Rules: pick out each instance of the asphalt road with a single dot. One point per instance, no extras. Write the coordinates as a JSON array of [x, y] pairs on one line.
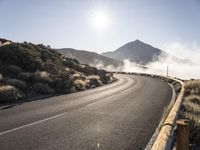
[[119, 116]]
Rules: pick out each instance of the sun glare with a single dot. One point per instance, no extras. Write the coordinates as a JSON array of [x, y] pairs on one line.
[[100, 20]]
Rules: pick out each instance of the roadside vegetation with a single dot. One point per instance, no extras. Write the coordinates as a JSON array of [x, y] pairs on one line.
[[191, 110], [28, 70]]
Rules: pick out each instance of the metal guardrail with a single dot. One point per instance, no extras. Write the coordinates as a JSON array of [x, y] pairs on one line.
[[165, 136]]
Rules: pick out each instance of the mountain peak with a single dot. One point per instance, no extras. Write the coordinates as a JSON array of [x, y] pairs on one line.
[[135, 51], [137, 41]]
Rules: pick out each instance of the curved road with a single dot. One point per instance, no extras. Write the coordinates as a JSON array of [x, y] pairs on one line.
[[119, 116]]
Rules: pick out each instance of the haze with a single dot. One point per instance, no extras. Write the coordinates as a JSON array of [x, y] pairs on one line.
[[169, 25]]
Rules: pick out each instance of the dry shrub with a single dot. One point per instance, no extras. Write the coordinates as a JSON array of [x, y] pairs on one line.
[[79, 75], [76, 75], [87, 81], [94, 81], [67, 69], [10, 93], [80, 85], [41, 76], [93, 77]]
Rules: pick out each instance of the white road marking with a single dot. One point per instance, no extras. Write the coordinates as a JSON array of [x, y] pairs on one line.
[[33, 123]]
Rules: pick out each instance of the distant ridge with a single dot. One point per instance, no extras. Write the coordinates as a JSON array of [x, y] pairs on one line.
[[92, 58]]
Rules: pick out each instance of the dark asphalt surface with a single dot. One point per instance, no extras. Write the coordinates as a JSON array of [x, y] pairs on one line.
[[119, 116]]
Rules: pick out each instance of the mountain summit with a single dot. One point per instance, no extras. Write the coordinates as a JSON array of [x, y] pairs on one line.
[[136, 51]]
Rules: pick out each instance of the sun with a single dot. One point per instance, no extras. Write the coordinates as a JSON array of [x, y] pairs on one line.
[[100, 20]]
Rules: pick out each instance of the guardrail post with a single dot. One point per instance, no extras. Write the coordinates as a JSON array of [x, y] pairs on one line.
[[182, 138]]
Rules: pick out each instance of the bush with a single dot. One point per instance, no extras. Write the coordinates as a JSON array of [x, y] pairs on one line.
[[61, 83], [26, 76], [42, 88], [80, 85], [57, 84], [105, 78], [17, 83], [12, 69], [94, 81], [9, 93]]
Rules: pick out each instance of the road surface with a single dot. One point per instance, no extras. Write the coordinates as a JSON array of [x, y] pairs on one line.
[[119, 116]]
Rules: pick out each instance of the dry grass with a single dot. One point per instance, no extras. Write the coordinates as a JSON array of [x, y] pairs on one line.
[[191, 111], [193, 86], [76, 75], [42, 74], [93, 77], [80, 84], [67, 69], [5, 88], [87, 81]]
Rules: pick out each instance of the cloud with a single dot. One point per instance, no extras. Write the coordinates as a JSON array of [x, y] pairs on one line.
[[180, 69], [183, 50], [101, 65]]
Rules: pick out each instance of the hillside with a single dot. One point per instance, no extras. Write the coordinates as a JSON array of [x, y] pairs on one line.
[[142, 53], [92, 59], [28, 70]]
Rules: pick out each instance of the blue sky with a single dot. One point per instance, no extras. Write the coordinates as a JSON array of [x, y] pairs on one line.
[[66, 23]]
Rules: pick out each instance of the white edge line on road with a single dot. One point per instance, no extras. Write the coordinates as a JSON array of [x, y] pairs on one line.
[[33, 123]]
